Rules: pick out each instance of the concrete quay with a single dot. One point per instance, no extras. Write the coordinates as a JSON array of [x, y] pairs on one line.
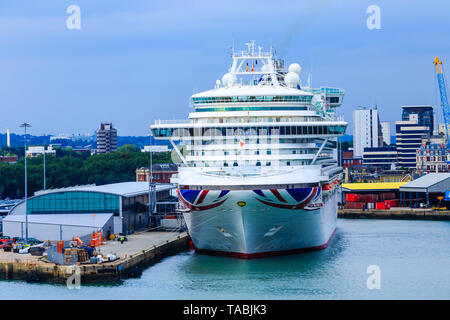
[[396, 214], [140, 251]]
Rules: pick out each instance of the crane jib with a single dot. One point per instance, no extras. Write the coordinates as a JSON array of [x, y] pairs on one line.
[[444, 99]]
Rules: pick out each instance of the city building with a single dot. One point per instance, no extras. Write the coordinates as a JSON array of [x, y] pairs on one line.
[[373, 174], [395, 176], [425, 115], [106, 138], [409, 137], [83, 150], [432, 157], [162, 148], [348, 160], [386, 132], [36, 151], [442, 130], [60, 214], [9, 159], [161, 173], [383, 157], [366, 130]]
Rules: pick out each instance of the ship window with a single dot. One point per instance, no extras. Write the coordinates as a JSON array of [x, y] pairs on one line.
[[235, 164], [258, 164], [267, 163], [225, 164]]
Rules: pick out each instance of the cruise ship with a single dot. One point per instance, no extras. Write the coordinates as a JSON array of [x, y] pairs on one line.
[[258, 154]]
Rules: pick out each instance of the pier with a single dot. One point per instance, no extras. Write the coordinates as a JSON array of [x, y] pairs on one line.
[[396, 214], [140, 251]]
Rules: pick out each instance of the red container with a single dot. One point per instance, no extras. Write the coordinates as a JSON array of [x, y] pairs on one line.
[[372, 198], [352, 197], [380, 206], [355, 205], [392, 203], [387, 196]]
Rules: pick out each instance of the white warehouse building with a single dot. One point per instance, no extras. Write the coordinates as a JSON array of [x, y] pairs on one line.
[[60, 214]]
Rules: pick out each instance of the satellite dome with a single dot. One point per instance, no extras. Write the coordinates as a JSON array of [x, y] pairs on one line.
[[295, 67], [292, 79], [265, 68], [225, 79], [229, 79]]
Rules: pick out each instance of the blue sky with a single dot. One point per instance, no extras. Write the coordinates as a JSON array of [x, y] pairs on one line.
[[136, 61]]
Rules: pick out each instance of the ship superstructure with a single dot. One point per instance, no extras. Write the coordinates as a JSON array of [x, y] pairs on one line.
[[259, 170]]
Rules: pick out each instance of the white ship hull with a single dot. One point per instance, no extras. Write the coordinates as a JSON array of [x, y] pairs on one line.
[[264, 225]]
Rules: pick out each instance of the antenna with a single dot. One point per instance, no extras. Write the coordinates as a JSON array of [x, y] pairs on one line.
[[248, 44]]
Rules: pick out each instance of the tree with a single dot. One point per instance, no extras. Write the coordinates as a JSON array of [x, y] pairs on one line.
[[70, 168]]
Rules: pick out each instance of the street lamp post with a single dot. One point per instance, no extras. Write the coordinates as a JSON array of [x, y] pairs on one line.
[[44, 167], [25, 126], [151, 186]]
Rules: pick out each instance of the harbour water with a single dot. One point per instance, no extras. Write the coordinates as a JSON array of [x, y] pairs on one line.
[[413, 257]]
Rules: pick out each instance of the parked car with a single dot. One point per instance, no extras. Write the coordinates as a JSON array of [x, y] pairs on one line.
[[34, 241], [31, 241], [4, 240], [18, 239]]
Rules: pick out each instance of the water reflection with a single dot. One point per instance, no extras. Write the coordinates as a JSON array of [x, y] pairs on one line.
[[199, 264], [290, 276]]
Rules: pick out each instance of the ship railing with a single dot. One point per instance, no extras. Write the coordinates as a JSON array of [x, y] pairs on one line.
[[247, 54], [175, 121], [326, 90]]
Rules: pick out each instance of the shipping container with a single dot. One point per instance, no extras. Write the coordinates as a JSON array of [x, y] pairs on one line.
[[355, 205], [392, 202], [371, 197], [387, 196], [352, 197], [380, 206]]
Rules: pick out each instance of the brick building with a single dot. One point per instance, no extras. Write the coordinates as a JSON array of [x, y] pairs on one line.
[[161, 172]]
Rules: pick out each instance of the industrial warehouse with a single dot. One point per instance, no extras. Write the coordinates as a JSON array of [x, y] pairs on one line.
[[61, 214], [429, 191]]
